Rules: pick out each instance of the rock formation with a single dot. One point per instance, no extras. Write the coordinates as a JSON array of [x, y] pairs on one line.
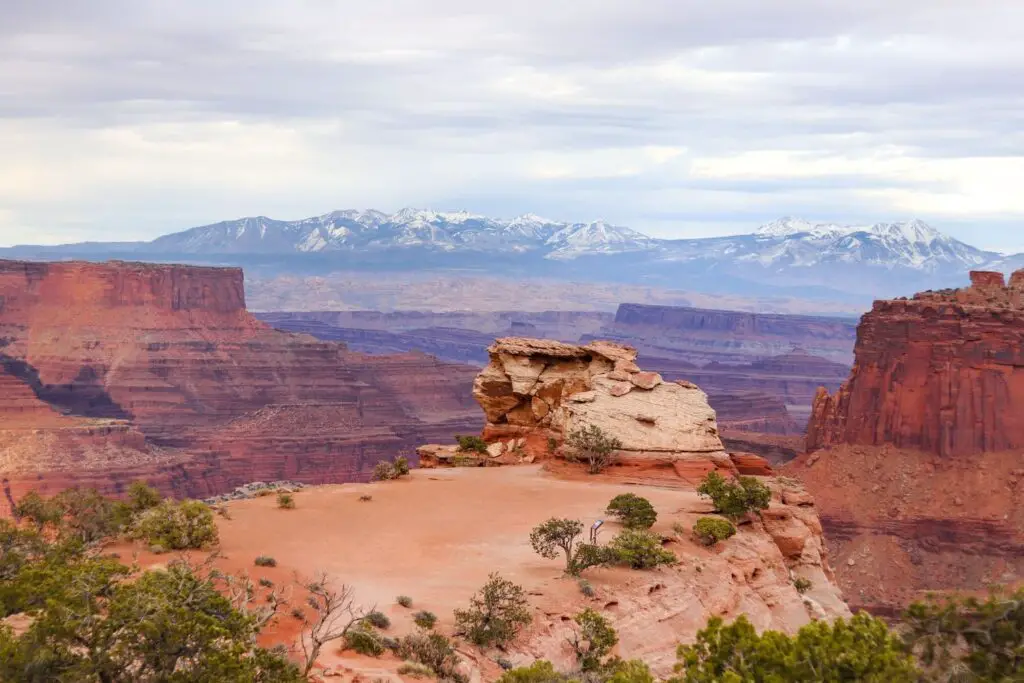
[[159, 371], [939, 372], [917, 464]]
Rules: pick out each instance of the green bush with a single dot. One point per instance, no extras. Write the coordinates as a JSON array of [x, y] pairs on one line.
[[384, 471], [640, 550], [711, 530], [592, 640], [496, 613], [432, 650], [424, 619], [414, 670], [142, 497], [266, 583], [540, 671], [984, 637], [861, 649], [401, 466], [364, 641], [378, 619], [38, 510], [265, 561], [555, 535], [735, 499], [177, 526], [404, 601], [802, 585], [591, 445], [285, 501], [586, 588], [633, 511], [472, 444]]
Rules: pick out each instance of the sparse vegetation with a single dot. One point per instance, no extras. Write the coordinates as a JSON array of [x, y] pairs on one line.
[[712, 530], [404, 601], [364, 641], [735, 499], [378, 619], [541, 671], [177, 526], [586, 588], [266, 583], [565, 534], [401, 466], [471, 444], [496, 613], [861, 649], [592, 640], [335, 614], [802, 585], [365, 498], [384, 471], [285, 501], [633, 511], [640, 550], [424, 619], [265, 561], [433, 651], [591, 445], [142, 497], [414, 670]]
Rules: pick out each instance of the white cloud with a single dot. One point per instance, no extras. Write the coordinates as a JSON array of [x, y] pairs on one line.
[[127, 119]]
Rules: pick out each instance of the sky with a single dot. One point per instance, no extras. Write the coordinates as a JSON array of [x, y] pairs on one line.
[[125, 120]]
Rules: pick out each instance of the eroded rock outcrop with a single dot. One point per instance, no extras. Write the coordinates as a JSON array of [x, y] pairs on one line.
[[917, 464], [939, 372], [160, 371]]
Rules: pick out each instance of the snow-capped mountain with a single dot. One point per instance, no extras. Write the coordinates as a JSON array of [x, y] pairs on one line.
[[788, 256]]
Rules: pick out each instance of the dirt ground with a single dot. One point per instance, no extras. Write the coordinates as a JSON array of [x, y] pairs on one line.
[[434, 536]]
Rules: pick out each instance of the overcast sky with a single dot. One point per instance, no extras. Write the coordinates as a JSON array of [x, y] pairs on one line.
[[126, 120]]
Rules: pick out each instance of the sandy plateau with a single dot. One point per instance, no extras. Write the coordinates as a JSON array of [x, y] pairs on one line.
[[436, 536]]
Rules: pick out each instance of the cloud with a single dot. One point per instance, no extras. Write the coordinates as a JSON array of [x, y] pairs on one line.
[[125, 120]]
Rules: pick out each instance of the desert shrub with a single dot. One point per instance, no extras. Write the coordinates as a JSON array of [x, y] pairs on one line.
[[384, 471], [564, 534], [627, 671], [982, 637], [414, 670], [541, 671], [633, 511], [265, 582], [142, 497], [404, 601], [678, 529], [424, 619], [496, 613], [432, 650], [365, 498], [735, 499], [38, 510], [285, 501], [711, 530], [591, 445], [177, 526], [861, 649], [802, 585], [378, 619], [401, 466], [592, 640], [364, 641], [552, 445], [472, 444], [265, 561], [640, 550], [88, 516], [586, 588]]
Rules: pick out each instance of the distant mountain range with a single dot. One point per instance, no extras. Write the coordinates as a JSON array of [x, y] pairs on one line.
[[788, 256]]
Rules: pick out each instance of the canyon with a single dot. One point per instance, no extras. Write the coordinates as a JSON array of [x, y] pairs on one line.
[[916, 461], [118, 371]]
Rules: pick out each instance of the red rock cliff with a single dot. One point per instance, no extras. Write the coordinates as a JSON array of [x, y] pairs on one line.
[[941, 372], [131, 370]]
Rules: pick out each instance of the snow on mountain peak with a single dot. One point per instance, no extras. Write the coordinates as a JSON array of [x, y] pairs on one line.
[[914, 231]]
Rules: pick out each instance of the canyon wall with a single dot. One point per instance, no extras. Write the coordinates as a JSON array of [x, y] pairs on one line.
[[942, 372], [120, 370], [917, 463]]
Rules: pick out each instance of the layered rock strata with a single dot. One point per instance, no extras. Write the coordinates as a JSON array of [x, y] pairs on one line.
[[940, 372], [159, 371]]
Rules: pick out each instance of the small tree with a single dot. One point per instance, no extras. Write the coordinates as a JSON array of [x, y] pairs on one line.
[[142, 497], [711, 530], [564, 534], [633, 511], [496, 613], [591, 445], [735, 499], [334, 615], [640, 549], [38, 510], [177, 526], [592, 639]]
